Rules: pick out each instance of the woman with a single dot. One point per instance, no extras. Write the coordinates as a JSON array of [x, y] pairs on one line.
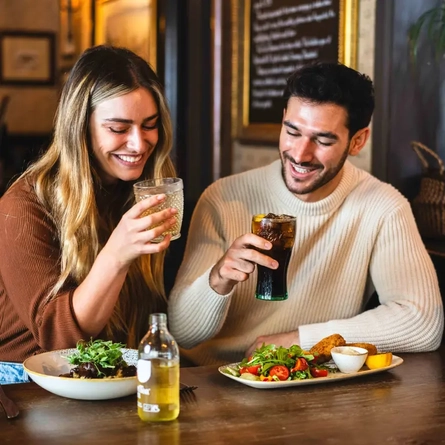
[[76, 259]]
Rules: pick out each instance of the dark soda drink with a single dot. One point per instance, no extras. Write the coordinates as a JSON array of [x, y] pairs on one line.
[[280, 231]]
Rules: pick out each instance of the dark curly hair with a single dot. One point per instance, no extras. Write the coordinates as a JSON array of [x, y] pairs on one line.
[[323, 82]]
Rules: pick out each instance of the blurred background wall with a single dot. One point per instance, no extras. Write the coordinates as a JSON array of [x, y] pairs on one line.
[[31, 109], [195, 53]]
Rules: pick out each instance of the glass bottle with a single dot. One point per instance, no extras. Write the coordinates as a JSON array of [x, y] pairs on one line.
[[158, 373]]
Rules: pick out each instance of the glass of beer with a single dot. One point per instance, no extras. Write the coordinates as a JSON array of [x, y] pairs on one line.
[[173, 190], [280, 231]]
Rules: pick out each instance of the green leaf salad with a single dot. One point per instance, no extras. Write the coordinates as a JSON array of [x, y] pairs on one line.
[[99, 359], [272, 363]]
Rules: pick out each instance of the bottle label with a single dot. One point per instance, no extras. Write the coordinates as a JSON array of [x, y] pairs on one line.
[[149, 407], [144, 370], [142, 390]]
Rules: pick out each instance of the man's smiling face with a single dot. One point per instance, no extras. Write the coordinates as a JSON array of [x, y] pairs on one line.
[[314, 145]]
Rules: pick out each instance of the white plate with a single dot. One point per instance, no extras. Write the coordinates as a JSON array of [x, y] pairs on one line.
[[332, 377], [44, 369]]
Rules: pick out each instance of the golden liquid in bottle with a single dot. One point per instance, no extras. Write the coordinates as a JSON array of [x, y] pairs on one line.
[[158, 397]]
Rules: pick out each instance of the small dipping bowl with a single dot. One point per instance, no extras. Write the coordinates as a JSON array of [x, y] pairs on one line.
[[349, 359]]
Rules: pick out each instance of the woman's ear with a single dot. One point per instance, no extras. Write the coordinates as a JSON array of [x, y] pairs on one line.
[[358, 141]]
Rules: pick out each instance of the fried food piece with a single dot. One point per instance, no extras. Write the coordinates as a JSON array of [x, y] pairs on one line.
[[372, 350], [322, 349]]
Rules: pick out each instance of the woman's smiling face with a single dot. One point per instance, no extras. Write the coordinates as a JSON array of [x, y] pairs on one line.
[[124, 133]]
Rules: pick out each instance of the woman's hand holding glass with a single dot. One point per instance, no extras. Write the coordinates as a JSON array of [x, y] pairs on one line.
[[133, 235]]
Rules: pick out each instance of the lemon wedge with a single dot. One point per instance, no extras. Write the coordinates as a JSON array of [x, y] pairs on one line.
[[259, 217], [379, 360]]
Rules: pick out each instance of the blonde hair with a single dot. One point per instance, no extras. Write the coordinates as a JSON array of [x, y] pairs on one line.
[[67, 183]]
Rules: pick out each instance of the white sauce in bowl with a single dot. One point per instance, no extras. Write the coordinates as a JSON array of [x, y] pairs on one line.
[[349, 351]]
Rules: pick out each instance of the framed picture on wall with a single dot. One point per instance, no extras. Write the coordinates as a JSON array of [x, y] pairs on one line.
[[27, 58], [127, 23], [271, 40]]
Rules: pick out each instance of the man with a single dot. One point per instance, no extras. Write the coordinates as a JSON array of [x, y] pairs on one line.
[[354, 233]]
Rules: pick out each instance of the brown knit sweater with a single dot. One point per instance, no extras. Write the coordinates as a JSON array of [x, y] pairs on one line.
[[29, 267]]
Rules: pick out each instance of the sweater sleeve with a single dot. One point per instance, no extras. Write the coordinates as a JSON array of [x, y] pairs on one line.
[[196, 311], [410, 317], [29, 268]]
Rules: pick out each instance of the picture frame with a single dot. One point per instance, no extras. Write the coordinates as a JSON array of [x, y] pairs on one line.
[[259, 75], [27, 58], [127, 23]]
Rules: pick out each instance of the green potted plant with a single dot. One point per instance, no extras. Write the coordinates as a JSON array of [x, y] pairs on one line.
[[429, 204], [433, 22]]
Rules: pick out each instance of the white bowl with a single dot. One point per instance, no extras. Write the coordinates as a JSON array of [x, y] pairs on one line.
[[44, 369], [349, 359]]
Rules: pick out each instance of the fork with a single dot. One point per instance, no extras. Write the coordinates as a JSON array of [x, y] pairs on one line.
[[183, 388], [187, 393], [8, 405]]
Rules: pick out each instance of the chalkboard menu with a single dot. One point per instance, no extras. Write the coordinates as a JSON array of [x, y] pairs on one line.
[[282, 36]]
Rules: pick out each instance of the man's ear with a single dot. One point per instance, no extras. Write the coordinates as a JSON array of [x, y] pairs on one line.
[[358, 141]]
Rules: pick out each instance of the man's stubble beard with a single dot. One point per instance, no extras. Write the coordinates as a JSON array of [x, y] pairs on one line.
[[319, 181]]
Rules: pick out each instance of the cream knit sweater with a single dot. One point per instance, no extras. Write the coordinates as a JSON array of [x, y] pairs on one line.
[[361, 236]]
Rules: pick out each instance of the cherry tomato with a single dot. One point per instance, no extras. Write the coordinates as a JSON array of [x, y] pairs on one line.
[[315, 372], [255, 369], [279, 371], [250, 369], [300, 365]]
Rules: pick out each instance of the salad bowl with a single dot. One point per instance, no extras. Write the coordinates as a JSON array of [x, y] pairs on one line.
[[45, 370]]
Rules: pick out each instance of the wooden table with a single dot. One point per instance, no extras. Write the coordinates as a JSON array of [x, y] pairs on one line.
[[403, 406]]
